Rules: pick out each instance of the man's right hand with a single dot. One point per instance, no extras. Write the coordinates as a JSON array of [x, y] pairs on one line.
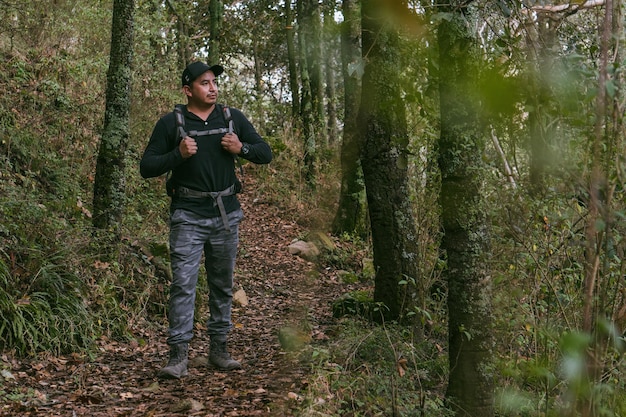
[[188, 147]]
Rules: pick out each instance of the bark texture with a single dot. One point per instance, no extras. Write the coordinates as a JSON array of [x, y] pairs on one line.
[[350, 216], [466, 237], [110, 181], [382, 123]]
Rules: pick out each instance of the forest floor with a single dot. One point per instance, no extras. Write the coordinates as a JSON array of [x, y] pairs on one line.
[[283, 291]]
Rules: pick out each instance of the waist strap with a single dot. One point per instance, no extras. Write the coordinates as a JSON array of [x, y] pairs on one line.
[[215, 195]]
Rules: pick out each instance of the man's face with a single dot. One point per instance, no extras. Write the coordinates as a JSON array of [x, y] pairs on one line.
[[203, 90]]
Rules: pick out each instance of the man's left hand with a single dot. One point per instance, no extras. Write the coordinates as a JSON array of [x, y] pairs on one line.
[[231, 143]]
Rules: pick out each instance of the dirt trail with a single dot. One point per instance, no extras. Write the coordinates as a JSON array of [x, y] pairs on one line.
[[121, 381]]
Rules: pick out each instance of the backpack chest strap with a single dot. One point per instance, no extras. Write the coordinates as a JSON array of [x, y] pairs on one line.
[[196, 133]]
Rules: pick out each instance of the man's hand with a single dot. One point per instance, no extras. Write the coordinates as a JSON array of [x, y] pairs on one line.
[[231, 143], [188, 147]]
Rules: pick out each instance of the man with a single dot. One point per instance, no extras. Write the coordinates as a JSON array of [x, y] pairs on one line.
[[204, 211]]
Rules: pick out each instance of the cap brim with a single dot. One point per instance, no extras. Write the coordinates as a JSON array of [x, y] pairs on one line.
[[216, 70]]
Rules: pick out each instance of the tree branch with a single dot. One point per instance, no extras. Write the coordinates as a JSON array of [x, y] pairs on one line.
[[505, 163], [568, 7]]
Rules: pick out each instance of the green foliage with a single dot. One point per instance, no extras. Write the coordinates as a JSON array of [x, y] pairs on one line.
[[55, 293], [357, 303], [47, 312], [544, 358], [376, 370], [347, 255]]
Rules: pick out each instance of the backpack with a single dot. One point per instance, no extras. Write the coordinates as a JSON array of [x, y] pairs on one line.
[[181, 133], [180, 124]]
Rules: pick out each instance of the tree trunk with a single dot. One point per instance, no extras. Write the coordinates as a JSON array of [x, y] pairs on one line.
[[311, 30], [110, 181], [258, 81], [382, 122], [542, 49], [307, 117], [330, 45], [599, 214], [350, 216], [465, 232], [216, 13], [182, 37], [292, 61]]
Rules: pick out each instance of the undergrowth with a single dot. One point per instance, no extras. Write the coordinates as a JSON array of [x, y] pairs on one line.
[[375, 370]]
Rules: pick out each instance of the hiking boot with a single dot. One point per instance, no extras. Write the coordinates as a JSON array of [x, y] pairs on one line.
[[177, 365], [219, 357]]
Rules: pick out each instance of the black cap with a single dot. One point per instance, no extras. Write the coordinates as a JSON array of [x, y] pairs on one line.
[[196, 69]]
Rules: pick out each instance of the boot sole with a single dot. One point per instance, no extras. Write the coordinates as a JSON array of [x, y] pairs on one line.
[[167, 375], [229, 368]]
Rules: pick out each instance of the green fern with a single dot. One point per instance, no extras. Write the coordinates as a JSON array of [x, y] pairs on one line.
[[50, 315]]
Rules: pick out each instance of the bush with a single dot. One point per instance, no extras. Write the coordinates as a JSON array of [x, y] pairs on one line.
[[47, 311]]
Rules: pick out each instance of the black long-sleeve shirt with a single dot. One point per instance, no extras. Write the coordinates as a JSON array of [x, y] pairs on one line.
[[211, 168]]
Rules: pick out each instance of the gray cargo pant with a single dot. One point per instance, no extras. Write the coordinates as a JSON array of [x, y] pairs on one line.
[[190, 237]]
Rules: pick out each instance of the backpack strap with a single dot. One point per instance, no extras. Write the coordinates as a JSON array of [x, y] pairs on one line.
[[180, 122], [180, 126], [228, 119], [231, 128], [180, 134]]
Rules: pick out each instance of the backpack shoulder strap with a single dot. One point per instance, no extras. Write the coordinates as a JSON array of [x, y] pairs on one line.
[[180, 134], [180, 122], [228, 118]]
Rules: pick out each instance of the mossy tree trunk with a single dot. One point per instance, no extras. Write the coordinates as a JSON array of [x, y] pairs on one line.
[[350, 216], [307, 116], [110, 181], [292, 60], [311, 30], [216, 13], [466, 236], [382, 124], [330, 57]]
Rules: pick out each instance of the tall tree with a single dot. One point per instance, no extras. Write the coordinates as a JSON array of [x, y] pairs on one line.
[[292, 60], [307, 116], [182, 34], [541, 49], [599, 222], [465, 233], [330, 45], [310, 22], [216, 12], [109, 193], [350, 216], [382, 124]]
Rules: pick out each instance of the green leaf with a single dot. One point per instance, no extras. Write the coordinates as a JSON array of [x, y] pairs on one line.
[[600, 225], [610, 88]]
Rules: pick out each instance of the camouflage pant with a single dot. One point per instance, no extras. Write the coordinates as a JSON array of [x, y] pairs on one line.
[[190, 237]]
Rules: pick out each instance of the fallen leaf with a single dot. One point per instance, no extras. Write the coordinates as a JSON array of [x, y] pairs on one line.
[[196, 405], [294, 396], [179, 407], [154, 387], [6, 374], [126, 395], [240, 298]]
